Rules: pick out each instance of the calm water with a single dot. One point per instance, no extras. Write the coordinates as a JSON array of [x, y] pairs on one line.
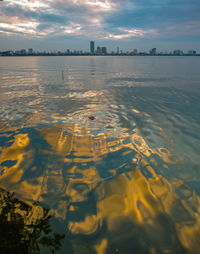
[[101, 153]]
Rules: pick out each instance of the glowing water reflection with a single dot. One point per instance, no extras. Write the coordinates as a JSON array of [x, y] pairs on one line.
[[112, 157]]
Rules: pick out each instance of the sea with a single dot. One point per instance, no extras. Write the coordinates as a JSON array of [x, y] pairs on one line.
[[100, 154]]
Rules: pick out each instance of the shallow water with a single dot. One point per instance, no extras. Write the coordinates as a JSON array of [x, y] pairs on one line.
[[108, 147]]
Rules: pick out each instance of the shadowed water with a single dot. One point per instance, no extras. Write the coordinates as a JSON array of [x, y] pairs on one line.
[[103, 150]]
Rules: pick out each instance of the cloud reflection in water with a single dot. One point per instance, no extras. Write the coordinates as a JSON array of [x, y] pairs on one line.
[[99, 179], [109, 150]]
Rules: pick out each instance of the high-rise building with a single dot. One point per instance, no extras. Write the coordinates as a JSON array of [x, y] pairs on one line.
[[92, 47], [178, 52], [104, 50], [135, 52], [192, 52], [98, 50], [152, 51], [22, 52], [30, 51]]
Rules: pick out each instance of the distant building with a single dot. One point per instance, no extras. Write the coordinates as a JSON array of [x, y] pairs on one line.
[[117, 50], [92, 47], [23, 52], [68, 52], [192, 52], [98, 50], [30, 51], [152, 51], [7, 53], [178, 52], [104, 50], [135, 52]]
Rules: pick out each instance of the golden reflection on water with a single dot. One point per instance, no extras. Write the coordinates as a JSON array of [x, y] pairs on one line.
[[140, 208]]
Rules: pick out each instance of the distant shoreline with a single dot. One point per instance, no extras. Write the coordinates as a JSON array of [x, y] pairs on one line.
[[121, 55]]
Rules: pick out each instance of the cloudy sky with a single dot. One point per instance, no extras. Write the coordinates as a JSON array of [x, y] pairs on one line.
[[129, 24]]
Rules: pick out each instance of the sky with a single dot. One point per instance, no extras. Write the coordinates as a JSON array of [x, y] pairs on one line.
[[128, 24]]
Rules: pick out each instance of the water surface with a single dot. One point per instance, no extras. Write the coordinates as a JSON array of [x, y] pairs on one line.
[[101, 153]]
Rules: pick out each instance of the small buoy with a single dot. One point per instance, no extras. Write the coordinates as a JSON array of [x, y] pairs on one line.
[[91, 117]]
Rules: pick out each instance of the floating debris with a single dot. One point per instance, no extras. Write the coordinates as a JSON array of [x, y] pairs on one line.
[[91, 117]]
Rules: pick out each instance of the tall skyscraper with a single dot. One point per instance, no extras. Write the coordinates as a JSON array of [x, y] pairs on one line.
[[152, 52], [104, 50], [135, 52], [98, 50], [92, 47], [30, 51]]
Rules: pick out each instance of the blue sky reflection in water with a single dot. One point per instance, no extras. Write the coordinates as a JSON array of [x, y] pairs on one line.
[[110, 148]]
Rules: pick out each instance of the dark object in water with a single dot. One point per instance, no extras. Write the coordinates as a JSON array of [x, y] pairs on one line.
[[91, 117]]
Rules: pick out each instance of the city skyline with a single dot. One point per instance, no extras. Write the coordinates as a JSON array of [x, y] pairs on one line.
[[98, 51], [128, 24]]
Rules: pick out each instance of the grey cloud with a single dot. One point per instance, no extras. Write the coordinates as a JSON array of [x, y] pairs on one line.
[[166, 17], [50, 17], [156, 14], [40, 15], [42, 27], [17, 11]]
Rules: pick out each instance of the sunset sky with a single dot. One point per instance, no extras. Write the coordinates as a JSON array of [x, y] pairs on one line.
[[129, 24]]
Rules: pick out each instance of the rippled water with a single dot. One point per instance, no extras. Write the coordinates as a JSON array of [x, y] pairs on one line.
[[102, 154]]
